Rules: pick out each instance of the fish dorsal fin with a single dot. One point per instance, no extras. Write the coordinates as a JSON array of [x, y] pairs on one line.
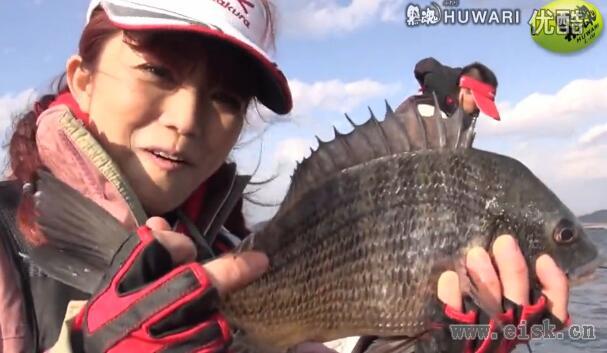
[[405, 131]]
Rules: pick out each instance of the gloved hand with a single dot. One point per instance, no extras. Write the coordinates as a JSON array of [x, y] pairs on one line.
[[148, 303], [521, 306]]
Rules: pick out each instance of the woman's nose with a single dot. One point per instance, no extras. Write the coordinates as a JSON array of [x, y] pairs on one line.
[[183, 109]]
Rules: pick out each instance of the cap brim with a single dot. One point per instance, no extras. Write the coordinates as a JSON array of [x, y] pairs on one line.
[[486, 105], [273, 92]]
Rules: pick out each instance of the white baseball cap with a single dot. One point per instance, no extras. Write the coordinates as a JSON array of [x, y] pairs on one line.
[[239, 22]]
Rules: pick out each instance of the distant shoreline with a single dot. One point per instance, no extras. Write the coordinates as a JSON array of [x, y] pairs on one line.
[[595, 225]]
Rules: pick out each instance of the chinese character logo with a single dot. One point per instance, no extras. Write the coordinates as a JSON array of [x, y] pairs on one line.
[[413, 15], [416, 15], [566, 25]]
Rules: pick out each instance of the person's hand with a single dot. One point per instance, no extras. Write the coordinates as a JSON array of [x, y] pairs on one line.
[[154, 297], [509, 284], [510, 280], [227, 273]]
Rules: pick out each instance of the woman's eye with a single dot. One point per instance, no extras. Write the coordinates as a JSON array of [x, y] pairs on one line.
[[158, 71]]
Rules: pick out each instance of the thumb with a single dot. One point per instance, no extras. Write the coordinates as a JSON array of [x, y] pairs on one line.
[[181, 248], [555, 286], [234, 271], [158, 223]]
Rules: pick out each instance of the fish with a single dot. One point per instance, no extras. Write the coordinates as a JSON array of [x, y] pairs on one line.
[[370, 220]]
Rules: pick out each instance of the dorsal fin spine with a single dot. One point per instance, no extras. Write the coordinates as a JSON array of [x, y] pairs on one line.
[[388, 137], [341, 138], [331, 158], [470, 134], [379, 127], [350, 121], [389, 110], [440, 126], [401, 125]]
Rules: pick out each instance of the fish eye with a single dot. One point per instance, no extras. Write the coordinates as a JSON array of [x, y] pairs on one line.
[[565, 232]]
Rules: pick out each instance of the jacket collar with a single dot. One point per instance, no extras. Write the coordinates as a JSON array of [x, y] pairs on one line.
[[73, 155]]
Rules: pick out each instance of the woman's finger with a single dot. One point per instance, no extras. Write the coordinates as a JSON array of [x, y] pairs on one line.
[[234, 271], [158, 223], [480, 268], [555, 286], [449, 291], [181, 248], [513, 271]]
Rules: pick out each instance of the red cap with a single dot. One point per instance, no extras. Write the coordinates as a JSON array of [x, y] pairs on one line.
[[484, 95]]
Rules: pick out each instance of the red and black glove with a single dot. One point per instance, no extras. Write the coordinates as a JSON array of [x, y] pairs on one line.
[[444, 337], [145, 304]]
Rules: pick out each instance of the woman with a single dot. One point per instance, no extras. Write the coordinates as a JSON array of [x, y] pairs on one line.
[[151, 107]]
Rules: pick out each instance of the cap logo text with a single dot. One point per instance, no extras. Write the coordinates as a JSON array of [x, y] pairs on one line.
[[240, 14]]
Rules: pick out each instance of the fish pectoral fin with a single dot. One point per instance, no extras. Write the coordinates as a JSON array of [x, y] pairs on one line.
[[81, 238]]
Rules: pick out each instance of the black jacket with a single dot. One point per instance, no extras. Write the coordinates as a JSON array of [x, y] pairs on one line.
[[45, 299]]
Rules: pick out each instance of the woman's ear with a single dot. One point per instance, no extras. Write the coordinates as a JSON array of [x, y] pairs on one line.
[[80, 81]]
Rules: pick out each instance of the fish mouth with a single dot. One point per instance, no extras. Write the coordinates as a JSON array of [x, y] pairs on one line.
[[586, 272]]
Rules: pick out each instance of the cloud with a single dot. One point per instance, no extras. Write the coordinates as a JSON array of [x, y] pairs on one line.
[[292, 150], [551, 115], [319, 18], [596, 134], [564, 162], [577, 175], [585, 163], [561, 137], [322, 18], [285, 157], [574, 167], [336, 95]]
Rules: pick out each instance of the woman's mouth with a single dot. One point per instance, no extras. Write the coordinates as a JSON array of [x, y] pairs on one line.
[[166, 160]]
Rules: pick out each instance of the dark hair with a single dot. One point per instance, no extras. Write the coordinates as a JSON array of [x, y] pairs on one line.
[[480, 72]]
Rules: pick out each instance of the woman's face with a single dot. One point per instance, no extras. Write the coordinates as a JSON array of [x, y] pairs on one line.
[[168, 127]]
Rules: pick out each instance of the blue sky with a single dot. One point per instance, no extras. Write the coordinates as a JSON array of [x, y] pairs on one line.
[[341, 56]]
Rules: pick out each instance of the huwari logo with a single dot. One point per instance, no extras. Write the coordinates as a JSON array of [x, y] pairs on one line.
[[245, 5], [451, 14], [565, 26]]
